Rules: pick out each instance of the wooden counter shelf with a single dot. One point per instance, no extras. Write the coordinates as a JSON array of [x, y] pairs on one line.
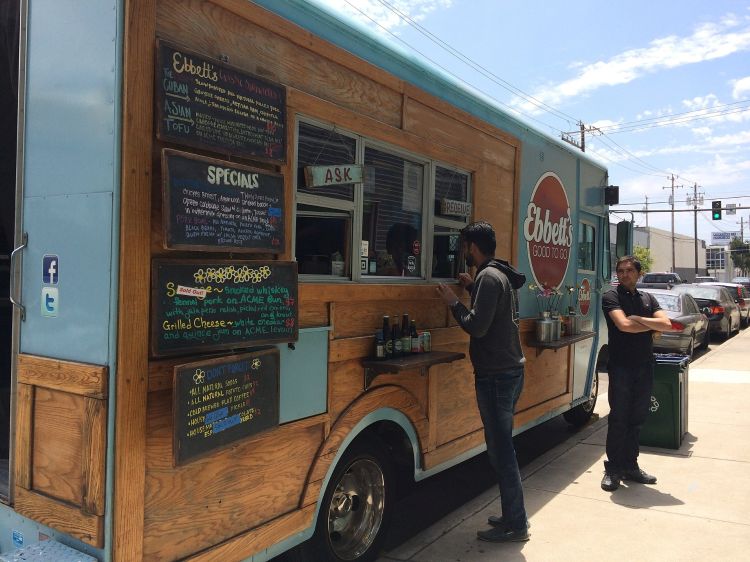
[[421, 361], [564, 341]]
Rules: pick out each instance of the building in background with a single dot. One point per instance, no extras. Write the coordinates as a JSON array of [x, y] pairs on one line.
[[660, 243]]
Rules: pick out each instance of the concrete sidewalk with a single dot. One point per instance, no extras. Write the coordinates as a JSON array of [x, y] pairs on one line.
[[699, 509]]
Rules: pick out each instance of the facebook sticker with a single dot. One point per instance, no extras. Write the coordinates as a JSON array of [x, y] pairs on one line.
[[50, 301], [50, 269]]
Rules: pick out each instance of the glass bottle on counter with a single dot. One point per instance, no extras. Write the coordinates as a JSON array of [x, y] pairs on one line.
[[414, 337], [396, 339], [379, 345], [405, 335], [387, 341]]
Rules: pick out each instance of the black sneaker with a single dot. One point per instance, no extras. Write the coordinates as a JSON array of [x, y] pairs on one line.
[[610, 482], [638, 475], [500, 534], [496, 521]]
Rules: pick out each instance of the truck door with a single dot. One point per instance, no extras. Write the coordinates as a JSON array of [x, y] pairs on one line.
[[591, 241], [9, 40]]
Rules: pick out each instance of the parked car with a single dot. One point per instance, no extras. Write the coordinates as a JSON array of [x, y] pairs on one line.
[[716, 302], [741, 296], [742, 281], [663, 280], [705, 279], [690, 325]]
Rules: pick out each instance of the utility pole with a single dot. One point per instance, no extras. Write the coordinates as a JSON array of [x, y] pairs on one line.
[[742, 229], [695, 223], [671, 200], [645, 210]]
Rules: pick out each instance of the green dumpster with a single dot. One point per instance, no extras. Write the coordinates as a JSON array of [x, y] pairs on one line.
[[667, 420]]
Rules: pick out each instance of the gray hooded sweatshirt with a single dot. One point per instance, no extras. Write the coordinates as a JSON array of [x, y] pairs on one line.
[[492, 322]]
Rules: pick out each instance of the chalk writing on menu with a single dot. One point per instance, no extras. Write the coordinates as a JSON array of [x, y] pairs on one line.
[[204, 103], [211, 204], [221, 305], [219, 401]]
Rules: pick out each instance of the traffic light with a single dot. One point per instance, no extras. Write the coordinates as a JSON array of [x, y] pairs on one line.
[[716, 210]]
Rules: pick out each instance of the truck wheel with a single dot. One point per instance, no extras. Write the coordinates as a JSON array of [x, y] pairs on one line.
[[357, 506], [581, 414]]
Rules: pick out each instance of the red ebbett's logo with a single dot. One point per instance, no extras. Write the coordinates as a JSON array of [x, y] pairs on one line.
[[584, 297], [548, 231]]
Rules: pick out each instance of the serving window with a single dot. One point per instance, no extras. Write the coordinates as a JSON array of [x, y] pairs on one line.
[[399, 219]]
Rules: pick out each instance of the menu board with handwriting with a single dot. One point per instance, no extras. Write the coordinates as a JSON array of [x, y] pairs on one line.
[[219, 401], [204, 103], [199, 306], [216, 205]]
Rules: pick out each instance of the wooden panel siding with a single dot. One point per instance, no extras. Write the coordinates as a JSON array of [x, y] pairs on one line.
[[223, 494], [58, 445], [68, 376]]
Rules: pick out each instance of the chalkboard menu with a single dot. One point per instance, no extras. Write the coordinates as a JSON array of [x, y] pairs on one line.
[[200, 306], [206, 104], [219, 401], [212, 204]]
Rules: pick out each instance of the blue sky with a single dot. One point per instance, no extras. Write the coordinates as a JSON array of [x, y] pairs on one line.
[[666, 82]]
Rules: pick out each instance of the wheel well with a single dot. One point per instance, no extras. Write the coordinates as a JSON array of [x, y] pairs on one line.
[[399, 448]]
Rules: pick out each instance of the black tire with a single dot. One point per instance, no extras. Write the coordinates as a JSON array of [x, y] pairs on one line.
[[581, 414], [350, 526]]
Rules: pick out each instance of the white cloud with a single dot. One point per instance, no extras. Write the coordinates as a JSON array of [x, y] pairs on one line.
[[366, 11], [709, 41], [741, 88]]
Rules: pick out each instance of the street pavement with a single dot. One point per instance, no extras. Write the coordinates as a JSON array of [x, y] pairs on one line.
[[698, 511]]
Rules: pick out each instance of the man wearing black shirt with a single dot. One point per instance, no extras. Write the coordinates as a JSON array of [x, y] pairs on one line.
[[632, 316]]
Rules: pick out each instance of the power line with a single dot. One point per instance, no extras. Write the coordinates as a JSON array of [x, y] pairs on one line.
[[638, 122], [510, 108], [476, 66], [670, 122]]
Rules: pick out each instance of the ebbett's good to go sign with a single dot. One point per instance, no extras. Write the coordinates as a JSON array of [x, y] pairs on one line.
[[548, 231]]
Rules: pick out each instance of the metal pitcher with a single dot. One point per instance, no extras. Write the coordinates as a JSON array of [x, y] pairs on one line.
[[544, 327]]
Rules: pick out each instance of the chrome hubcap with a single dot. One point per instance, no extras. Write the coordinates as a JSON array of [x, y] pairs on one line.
[[588, 406], [356, 509]]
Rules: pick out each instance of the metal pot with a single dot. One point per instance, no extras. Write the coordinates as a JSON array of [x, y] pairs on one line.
[[574, 324], [556, 328], [544, 328]]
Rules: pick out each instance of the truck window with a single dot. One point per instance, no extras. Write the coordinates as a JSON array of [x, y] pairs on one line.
[[382, 232], [586, 246]]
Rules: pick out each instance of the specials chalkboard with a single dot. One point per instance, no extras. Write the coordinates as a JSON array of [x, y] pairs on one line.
[[213, 204], [203, 103], [220, 401], [199, 306]]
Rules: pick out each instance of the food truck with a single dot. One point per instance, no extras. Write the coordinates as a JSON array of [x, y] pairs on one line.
[[214, 205]]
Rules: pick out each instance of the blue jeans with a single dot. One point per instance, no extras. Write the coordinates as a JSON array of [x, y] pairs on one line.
[[497, 395], [629, 396]]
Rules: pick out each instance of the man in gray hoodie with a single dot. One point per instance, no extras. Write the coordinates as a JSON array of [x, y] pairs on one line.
[[498, 361]]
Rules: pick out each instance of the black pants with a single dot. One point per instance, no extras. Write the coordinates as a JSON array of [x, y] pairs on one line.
[[629, 401]]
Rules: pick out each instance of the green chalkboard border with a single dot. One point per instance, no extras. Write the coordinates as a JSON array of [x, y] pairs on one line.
[[195, 143], [181, 455], [167, 202], [156, 352]]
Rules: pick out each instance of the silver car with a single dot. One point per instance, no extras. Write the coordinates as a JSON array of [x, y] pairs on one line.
[[718, 304], [690, 326]]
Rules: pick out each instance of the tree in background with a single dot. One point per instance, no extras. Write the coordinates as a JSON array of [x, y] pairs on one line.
[[740, 254], [644, 256]]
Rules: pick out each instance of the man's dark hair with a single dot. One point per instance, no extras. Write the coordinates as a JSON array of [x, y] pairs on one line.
[[482, 234], [629, 259]]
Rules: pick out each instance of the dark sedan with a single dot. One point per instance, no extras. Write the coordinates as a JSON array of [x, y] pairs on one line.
[[689, 324], [723, 313], [741, 296]]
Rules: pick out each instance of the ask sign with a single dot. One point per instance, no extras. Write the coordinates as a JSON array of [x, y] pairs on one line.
[[321, 176]]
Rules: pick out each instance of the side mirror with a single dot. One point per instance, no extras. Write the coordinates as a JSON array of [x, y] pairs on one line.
[[624, 242]]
